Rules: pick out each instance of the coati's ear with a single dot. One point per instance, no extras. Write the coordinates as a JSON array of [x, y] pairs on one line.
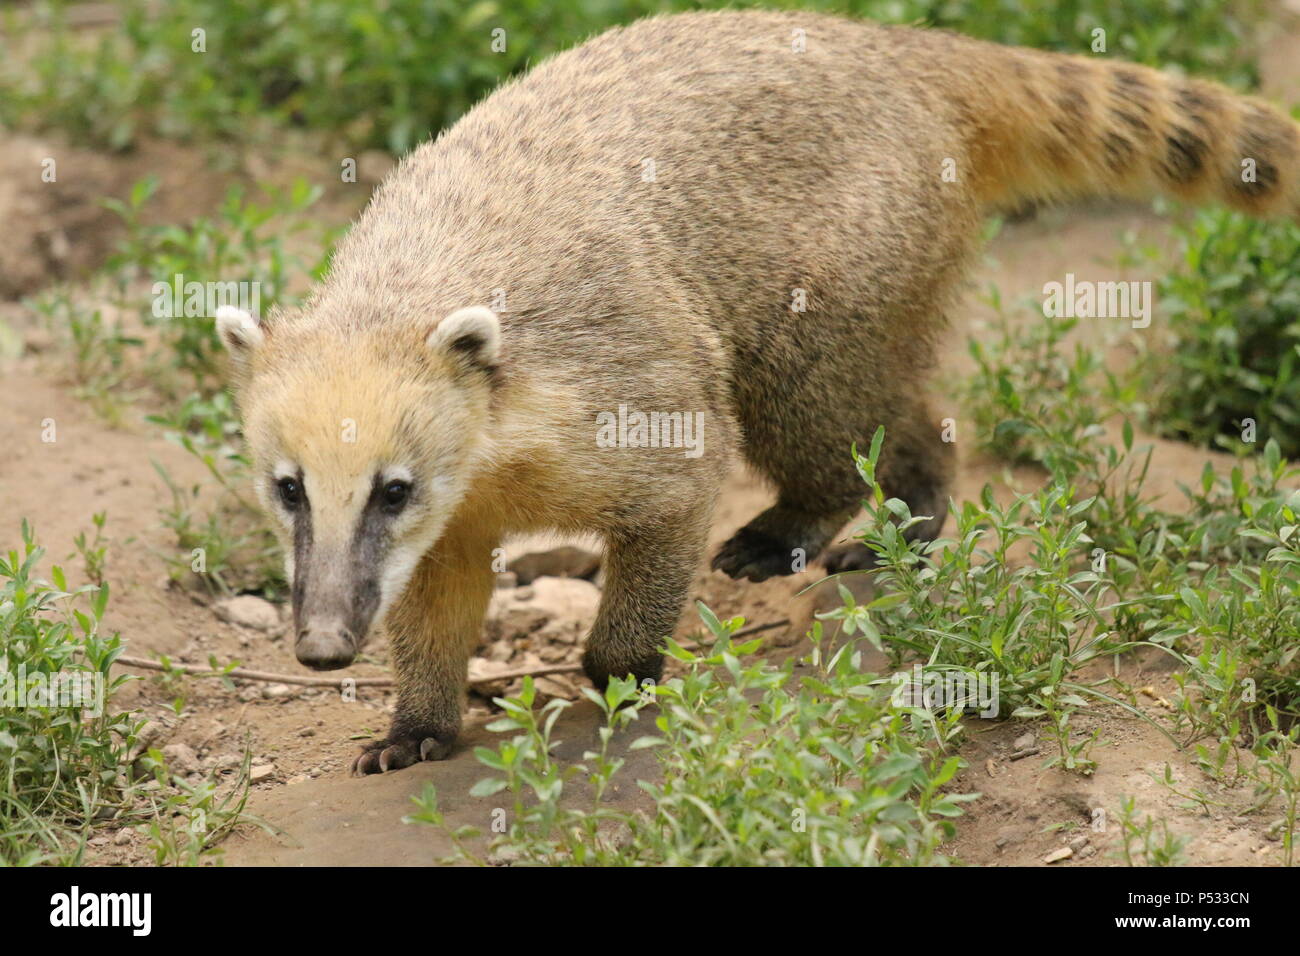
[[472, 334], [239, 332]]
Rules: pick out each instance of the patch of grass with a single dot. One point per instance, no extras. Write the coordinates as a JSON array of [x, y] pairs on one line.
[[63, 745], [97, 347], [68, 751], [391, 77], [1146, 841], [93, 551], [1213, 581], [760, 768], [246, 243], [1225, 375]]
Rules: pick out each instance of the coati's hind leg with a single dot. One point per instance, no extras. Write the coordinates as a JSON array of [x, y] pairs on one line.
[[432, 630], [781, 539], [916, 466], [648, 573], [819, 488]]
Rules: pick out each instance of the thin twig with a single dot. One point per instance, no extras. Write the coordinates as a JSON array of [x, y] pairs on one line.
[[245, 674], [241, 673]]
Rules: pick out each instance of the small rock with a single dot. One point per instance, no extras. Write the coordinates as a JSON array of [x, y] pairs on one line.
[[180, 758], [481, 673], [1079, 842], [248, 610], [555, 685], [227, 762], [1024, 741], [569, 600], [565, 562], [260, 772], [277, 691], [552, 654], [1087, 851], [123, 837], [149, 736], [307, 732], [516, 620], [38, 340], [1056, 856]]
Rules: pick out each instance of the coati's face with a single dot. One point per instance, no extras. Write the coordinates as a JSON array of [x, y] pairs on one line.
[[362, 446]]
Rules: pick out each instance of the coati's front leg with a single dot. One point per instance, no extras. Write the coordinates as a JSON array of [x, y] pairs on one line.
[[432, 630], [648, 573]]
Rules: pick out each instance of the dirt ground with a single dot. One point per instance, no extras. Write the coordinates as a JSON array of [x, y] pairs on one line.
[[304, 739]]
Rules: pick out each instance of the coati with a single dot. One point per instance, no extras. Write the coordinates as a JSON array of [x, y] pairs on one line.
[[758, 218]]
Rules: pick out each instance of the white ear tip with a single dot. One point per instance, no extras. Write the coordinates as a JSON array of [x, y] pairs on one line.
[[232, 313], [474, 324], [237, 327]]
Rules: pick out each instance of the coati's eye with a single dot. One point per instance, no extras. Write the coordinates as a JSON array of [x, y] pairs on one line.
[[290, 492], [395, 494]]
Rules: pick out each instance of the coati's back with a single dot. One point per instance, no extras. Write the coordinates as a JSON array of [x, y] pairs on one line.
[[701, 168]]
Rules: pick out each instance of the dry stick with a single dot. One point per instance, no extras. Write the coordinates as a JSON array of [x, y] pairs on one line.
[[241, 673]]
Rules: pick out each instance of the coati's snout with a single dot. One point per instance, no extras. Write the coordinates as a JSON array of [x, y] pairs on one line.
[[325, 648], [336, 581]]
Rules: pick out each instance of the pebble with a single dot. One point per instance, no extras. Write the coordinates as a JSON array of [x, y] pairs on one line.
[[180, 758], [248, 610]]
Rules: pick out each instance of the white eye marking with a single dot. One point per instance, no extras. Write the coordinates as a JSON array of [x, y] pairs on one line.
[[285, 469], [397, 473]]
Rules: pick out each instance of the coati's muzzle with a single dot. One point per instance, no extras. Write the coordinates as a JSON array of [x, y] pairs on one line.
[[333, 608], [325, 647]]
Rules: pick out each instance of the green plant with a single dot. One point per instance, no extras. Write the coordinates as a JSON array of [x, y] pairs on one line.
[[96, 345], [93, 552], [186, 825], [1027, 627], [1225, 371], [242, 250], [63, 743], [1146, 842], [835, 770], [1213, 583], [225, 550], [69, 753]]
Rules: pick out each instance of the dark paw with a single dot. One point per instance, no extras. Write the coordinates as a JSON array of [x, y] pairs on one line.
[[600, 669], [755, 555], [396, 752], [849, 557]]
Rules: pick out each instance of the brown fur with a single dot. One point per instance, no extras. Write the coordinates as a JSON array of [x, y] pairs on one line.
[[775, 171]]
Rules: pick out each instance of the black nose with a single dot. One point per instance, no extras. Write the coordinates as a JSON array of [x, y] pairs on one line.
[[325, 649]]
